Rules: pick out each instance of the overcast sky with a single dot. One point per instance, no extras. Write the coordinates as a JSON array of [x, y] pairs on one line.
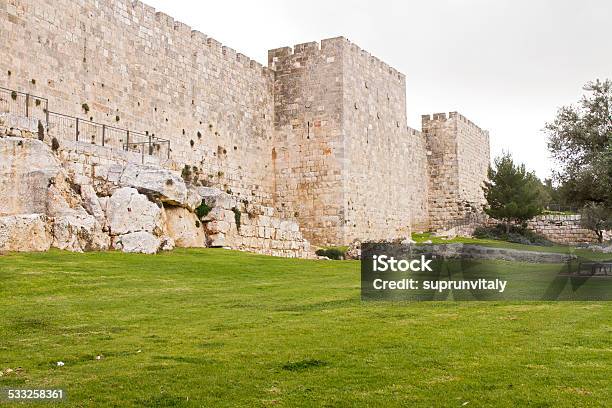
[[506, 65]]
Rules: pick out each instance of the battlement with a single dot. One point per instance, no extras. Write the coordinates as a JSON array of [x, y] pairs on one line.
[[451, 115], [174, 30], [314, 48], [413, 132]]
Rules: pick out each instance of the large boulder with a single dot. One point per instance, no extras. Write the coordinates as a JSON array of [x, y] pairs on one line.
[[155, 182], [185, 228], [142, 242], [129, 211], [27, 168], [91, 203], [24, 232], [78, 231], [194, 198]]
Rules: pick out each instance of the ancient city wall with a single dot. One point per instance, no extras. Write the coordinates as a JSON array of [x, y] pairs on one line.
[[308, 148], [136, 68], [473, 154], [386, 165], [319, 135], [458, 159]]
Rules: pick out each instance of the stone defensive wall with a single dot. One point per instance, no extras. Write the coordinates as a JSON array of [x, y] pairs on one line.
[[346, 163], [122, 63], [319, 136], [458, 159], [53, 198]]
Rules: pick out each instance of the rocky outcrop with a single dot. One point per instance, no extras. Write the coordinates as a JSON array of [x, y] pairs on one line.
[[142, 242], [184, 228], [129, 211], [27, 169], [93, 205], [25, 232], [158, 183], [124, 206], [79, 232]]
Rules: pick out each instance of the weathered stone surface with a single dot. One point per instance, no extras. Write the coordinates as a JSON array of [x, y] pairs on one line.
[[138, 242], [129, 211], [24, 233], [91, 203], [155, 181], [79, 232], [185, 228], [27, 168], [194, 199], [564, 229], [353, 251]]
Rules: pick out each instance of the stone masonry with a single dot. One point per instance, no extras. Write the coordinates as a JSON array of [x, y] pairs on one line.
[[458, 157], [564, 229], [318, 137]]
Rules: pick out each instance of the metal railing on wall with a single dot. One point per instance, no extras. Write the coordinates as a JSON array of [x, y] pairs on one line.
[[66, 127], [24, 104]]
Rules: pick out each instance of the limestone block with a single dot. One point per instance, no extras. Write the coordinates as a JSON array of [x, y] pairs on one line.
[[79, 232], [26, 168], [25, 233], [129, 211], [137, 242], [184, 228], [91, 203], [155, 182], [194, 199]]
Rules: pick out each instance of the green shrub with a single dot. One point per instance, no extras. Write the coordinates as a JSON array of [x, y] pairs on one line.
[[186, 173], [202, 210], [331, 253], [237, 217]]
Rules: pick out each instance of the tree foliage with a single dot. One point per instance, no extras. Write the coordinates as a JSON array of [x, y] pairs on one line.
[[597, 218], [513, 194], [580, 140]]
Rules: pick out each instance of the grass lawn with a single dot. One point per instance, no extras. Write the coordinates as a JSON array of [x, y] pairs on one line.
[[223, 328]]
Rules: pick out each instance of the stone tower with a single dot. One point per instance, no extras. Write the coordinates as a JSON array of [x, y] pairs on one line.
[[346, 164], [458, 158]]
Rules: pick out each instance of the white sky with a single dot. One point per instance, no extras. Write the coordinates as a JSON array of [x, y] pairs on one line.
[[506, 65]]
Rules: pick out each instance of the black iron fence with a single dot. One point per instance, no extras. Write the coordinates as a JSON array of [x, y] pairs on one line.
[[66, 127], [24, 104]]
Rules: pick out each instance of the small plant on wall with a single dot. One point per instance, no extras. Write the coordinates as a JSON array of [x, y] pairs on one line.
[[85, 107], [237, 217], [186, 173], [202, 210]]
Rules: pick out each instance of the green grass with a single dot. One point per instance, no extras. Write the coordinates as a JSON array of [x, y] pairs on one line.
[[223, 328]]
